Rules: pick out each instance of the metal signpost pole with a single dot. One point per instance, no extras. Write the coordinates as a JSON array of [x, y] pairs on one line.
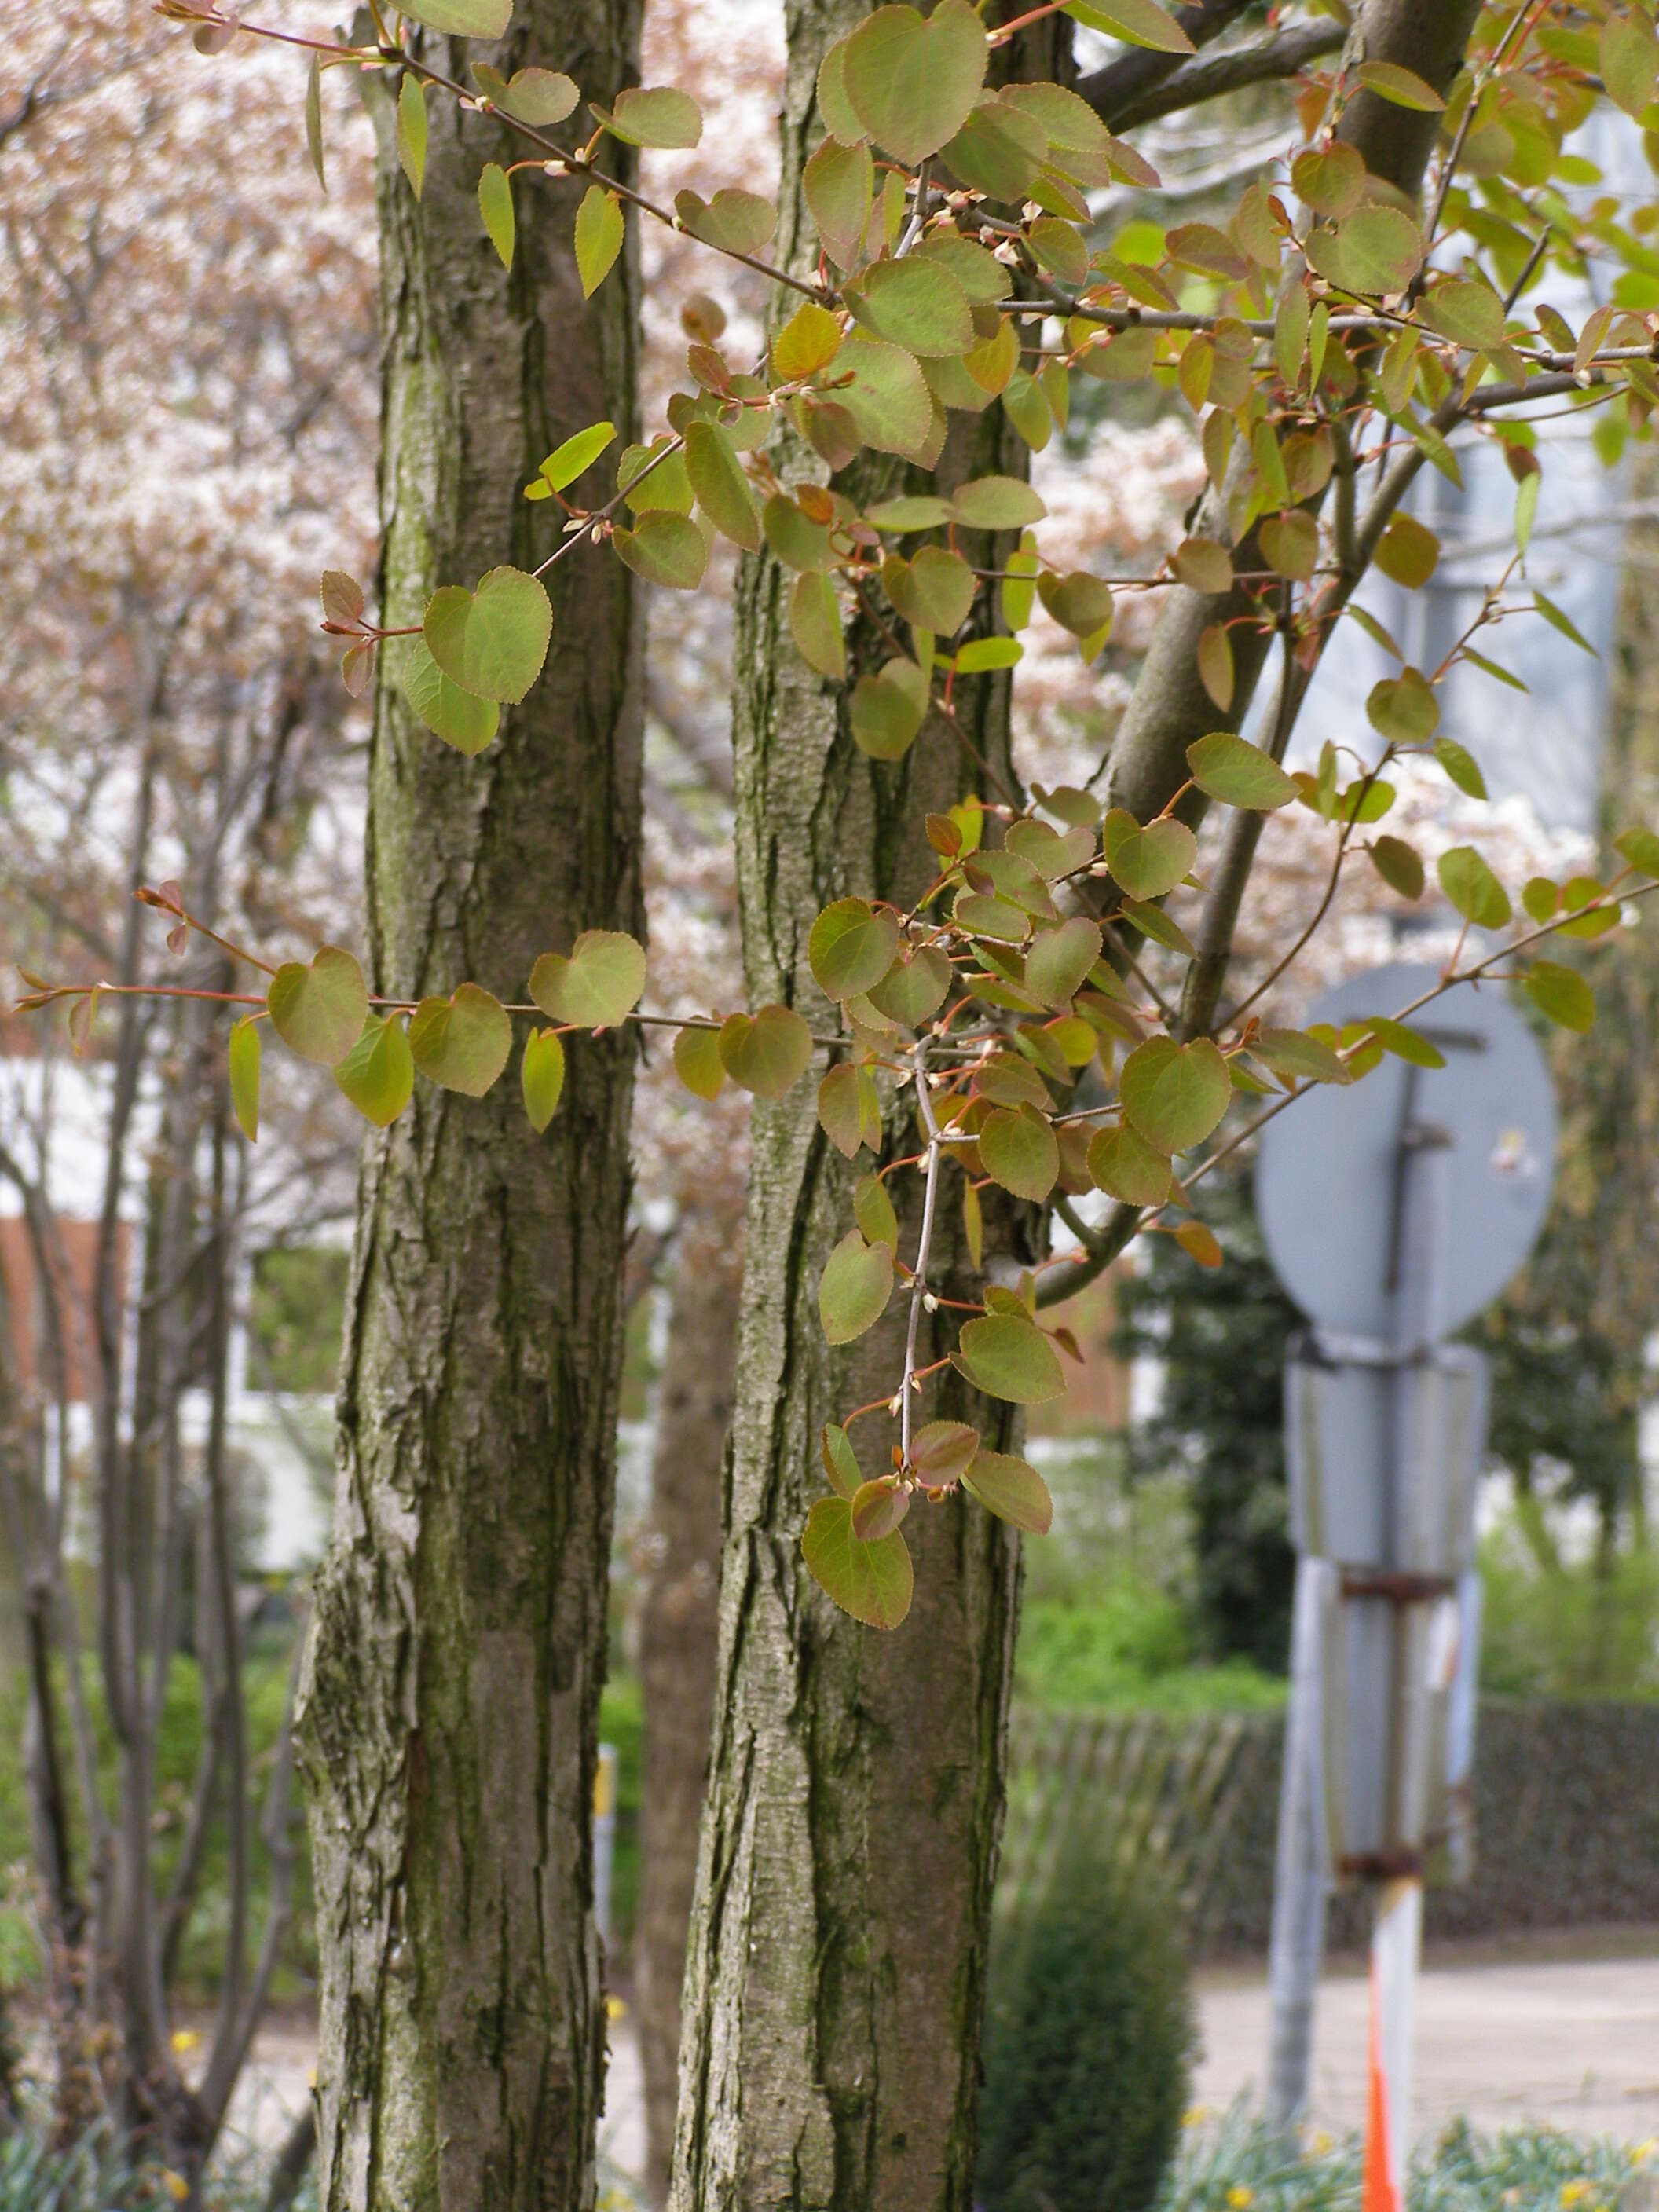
[[1298, 1942], [1393, 1210], [1414, 1274]]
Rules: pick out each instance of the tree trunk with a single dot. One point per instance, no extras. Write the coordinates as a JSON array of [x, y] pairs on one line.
[[449, 1712], [834, 1985], [678, 1633]]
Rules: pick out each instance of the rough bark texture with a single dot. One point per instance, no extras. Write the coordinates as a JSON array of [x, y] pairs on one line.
[[835, 1981], [678, 1614], [1170, 708], [452, 1682]]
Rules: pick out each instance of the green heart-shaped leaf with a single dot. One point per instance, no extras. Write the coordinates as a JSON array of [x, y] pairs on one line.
[[886, 709], [539, 95], [1403, 1041], [912, 80], [1400, 866], [887, 397], [1060, 959], [999, 150], [1238, 773], [495, 206], [1473, 889], [1079, 602], [766, 1052], [567, 462], [456, 716], [1174, 1094], [722, 489], [1470, 314], [737, 221], [914, 989], [996, 503], [378, 1073], [1141, 22], [244, 1056], [463, 19], [872, 1210], [598, 237], [697, 1062], [492, 641], [461, 1041], [1375, 249], [840, 1461], [878, 1509], [811, 338], [665, 548], [852, 946], [815, 625], [942, 1452], [1011, 1489], [541, 1075], [854, 1288], [1126, 1167], [872, 1582], [1403, 708], [1299, 1057], [916, 304], [1150, 860], [838, 1110], [933, 591], [1561, 995], [1019, 1151], [1010, 1358], [597, 986], [838, 184], [659, 116], [319, 1010]]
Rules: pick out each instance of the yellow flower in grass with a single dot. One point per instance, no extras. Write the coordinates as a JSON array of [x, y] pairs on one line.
[[1320, 2144], [615, 2008], [184, 2039], [1238, 2196], [175, 2185], [1643, 2151], [1195, 2116], [1575, 2192]]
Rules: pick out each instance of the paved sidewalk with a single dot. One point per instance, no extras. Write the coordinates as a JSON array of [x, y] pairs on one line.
[[1571, 2044]]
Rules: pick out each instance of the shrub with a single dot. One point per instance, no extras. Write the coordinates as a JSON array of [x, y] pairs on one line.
[[1088, 2044]]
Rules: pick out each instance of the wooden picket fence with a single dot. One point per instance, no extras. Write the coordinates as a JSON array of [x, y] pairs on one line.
[[1158, 1791]]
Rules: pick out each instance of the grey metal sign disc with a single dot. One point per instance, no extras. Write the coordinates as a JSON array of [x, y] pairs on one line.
[[1326, 1167]]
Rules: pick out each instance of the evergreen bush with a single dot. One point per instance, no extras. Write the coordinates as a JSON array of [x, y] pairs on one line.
[[1088, 2043]]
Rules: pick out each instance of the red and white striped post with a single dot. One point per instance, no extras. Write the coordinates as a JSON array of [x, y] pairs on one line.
[[1397, 1939]]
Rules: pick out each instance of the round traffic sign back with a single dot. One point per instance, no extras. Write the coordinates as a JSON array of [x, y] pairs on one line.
[[1326, 1167]]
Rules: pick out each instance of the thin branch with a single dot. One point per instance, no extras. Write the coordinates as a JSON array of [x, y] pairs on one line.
[[1201, 992], [1100, 1247], [299, 2147], [924, 1250]]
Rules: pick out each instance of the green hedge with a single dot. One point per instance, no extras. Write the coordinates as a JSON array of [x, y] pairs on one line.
[[1088, 2043], [1566, 1800]]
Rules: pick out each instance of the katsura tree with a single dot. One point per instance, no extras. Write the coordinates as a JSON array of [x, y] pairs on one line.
[[1009, 1001]]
